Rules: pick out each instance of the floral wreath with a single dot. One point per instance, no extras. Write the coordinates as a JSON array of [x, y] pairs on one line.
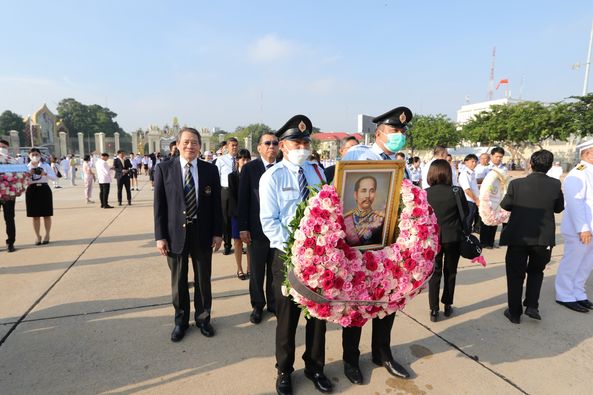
[[12, 183], [492, 191], [332, 281]]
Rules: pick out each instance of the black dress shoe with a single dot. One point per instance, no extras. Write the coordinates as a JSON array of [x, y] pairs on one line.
[[576, 306], [283, 384], [533, 313], [514, 320], [585, 303], [322, 383], [434, 315], [394, 368], [108, 206], [353, 373], [256, 314], [178, 333], [11, 248], [206, 329], [227, 251], [448, 310]]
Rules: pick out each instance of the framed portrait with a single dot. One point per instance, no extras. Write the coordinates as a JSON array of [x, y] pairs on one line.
[[370, 191]]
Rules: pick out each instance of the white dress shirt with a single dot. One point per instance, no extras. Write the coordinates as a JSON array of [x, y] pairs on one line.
[[103, 171], [225, 167], [467, 180]]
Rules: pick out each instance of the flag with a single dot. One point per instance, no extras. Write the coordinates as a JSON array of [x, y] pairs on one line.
[[503, 81]]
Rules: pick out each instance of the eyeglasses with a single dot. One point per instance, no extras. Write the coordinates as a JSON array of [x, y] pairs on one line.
[[274, 143]]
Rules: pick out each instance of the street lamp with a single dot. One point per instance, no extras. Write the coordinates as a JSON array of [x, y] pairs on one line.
[[31, 130]]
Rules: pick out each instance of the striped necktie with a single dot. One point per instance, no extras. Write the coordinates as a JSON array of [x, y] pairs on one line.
[[303, 185], [234, 165], [385, 156], [190, 193]]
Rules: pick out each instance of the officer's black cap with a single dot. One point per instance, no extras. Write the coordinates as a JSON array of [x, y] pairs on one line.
[[298, 127], [398, 117]]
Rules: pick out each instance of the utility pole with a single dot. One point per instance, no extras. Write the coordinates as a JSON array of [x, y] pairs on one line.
[[588, 64], [491, 83]]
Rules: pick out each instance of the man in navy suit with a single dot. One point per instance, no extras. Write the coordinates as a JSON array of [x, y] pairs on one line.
[[188, 222], [250, 229]]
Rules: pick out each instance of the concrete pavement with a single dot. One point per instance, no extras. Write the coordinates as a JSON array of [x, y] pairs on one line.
[[90, 313]]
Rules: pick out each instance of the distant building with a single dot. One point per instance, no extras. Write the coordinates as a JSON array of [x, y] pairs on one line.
[[469, 111], [329, 142], [45, 127]]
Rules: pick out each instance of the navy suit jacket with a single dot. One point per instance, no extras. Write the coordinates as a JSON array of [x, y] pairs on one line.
[[119, 168], [249, 199], [169, 205]]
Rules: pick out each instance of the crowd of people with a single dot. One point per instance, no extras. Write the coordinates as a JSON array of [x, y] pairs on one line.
[[203, 203]]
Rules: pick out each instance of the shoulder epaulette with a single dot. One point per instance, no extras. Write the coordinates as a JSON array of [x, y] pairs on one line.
[[580, 167]]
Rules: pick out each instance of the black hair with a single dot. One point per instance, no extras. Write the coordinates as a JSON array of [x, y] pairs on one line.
[[232, 140], [192, 131], [439, 172], [243, 154], [86, 158], [265, 134], [497, 150], [541, 161], [470, 157]]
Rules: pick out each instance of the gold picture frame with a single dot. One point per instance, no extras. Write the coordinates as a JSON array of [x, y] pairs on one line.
[[370, 216]]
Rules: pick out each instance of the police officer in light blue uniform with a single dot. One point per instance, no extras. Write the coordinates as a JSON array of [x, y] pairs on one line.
[[390, 137], [281, 189]]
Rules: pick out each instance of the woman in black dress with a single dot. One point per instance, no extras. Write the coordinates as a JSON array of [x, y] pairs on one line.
[[442, 199], [38, 198], [243, 157]]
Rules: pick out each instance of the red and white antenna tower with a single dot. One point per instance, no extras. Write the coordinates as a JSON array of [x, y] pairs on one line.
[[491, 83]]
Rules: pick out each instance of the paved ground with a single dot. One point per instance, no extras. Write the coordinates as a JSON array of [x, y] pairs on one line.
[[90, 313]]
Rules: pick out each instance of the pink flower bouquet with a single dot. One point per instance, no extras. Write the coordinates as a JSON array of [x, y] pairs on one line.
[[347, 286], [12, 183]]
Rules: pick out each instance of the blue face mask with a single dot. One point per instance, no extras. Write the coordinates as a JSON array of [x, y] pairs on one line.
[[395, 142]]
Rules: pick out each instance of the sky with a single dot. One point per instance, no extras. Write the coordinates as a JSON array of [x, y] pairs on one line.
[[233, 63]]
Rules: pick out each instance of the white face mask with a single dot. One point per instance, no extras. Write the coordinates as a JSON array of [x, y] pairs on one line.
[[34, 158], [298, 156], [3, 151]]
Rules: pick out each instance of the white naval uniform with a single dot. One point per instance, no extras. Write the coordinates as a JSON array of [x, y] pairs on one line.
[[280, 195], [577, 262]]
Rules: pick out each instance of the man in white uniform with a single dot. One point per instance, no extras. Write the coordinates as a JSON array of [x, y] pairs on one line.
[[439, 152], [556, 171], [577, 225]]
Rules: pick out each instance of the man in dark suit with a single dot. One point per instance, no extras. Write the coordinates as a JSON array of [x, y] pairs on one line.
[[122, 168], [251, 233], [188, 222], [529, 234]]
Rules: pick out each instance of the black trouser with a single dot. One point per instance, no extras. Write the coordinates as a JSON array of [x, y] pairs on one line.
[[201, 259], [261, 257], [104, 194], [450, 255], [226, 218], [519, 261], [469, 219], [487, 235], [8, 209], [287, 321], [123, 181], [380, 341]]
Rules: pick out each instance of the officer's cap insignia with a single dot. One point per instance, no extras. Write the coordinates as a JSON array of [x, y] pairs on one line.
[[302, 126], [402, 117]]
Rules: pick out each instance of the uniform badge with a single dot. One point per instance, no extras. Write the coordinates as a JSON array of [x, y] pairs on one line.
[[302, 126], [208, 190], [402, 117], [581, 167]]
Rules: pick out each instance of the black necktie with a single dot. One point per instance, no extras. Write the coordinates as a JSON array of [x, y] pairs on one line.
[[269, 165], [190, 193], [303, 184], [385, 156]]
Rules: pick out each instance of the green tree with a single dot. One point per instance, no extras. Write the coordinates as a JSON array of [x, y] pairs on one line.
[[11, 121], [255, 130], [83, 118], [581, 115], [427, 131]]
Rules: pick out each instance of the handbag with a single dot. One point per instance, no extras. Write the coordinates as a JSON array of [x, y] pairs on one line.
[[470, 247]]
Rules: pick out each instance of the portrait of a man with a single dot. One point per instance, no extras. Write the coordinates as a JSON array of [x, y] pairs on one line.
[[364, 224]]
